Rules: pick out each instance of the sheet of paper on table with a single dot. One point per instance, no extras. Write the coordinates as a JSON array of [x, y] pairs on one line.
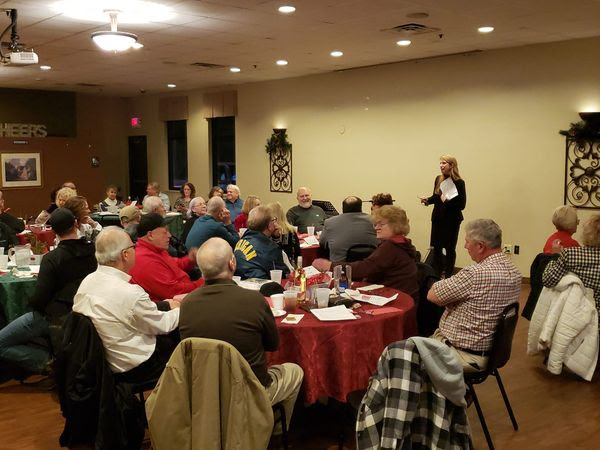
[[376, 300], [370, 287], [448, 188], [311, 271], [292, 318], [133, 203], [106, 213], [309, 241], [252, 283], [334, 313]]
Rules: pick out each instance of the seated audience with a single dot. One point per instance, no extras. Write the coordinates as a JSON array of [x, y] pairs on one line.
[[62, 195], [153, 190], [222, 310], [241, 221], [379, 200], [476, 296], [233, 201], [154, 205], [130, 217], [393, 261], [197, 208], [582, 261], [216, 223], [350, 228], [111, 203], [256, 254], [288, 239], [188, 192], [16, 225], [305, 214], [133, 331], [61, 272], [162, 276], [215, 190], [565, 220], [88, 228]]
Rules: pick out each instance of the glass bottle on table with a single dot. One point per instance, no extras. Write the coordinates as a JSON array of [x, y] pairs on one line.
[[348, 270], [343, 283], [300, 280]]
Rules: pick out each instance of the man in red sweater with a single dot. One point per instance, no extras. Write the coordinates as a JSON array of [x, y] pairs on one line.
[[161, 275]]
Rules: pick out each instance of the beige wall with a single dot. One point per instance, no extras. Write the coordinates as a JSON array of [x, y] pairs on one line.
[[382, 129]]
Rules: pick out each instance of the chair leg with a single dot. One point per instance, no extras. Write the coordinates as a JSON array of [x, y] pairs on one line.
[[486, 432], [506, 402], [282, 419]]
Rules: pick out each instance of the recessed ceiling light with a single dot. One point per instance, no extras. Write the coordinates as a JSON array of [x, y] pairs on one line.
[[137, 45], [403, 43], [287, 9], [235, 69], [486, 29], [281, 62], [45, 67], [337, 53], [170, 85]]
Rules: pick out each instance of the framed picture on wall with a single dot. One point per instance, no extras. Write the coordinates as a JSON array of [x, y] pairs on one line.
[[21, 170]]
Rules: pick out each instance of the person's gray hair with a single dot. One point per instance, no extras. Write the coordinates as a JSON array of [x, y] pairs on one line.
[[485, 231], [152, 204], [213, 257], [110, 242], [259, 218], [215, 205], [234, 187], [192, 204], [565, 218]]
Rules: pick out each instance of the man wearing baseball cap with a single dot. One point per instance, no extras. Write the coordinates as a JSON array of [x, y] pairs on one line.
[[130, 218], [161, 275]]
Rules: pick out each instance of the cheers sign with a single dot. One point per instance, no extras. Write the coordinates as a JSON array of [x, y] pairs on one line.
[[22, 130]]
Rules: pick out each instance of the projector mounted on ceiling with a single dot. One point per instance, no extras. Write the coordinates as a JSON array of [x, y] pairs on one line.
[[17, 55]]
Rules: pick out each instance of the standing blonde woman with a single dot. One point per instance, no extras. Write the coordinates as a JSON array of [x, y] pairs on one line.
[[288, 241], [449, 199]]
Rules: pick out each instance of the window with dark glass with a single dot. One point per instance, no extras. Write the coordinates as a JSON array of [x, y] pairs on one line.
[[177, 147], [222, 141]]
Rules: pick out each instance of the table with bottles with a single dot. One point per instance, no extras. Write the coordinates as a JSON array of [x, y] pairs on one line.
[[339, 357]]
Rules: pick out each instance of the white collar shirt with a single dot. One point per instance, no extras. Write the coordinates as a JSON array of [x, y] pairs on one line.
[[124, 317]]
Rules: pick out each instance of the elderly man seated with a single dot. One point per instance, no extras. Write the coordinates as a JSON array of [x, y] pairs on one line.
[[15, 225], [130, 217], [305, 214], [153, 190], [222, 310], [161, 275], [216, 223], [135, 334], [256, 253], [476, 296], [233, 202]]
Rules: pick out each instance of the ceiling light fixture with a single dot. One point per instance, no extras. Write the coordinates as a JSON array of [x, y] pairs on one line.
[[45, 67], [403, 43], [235, 69], [137, 45], [114, 40], [337, 53], [171, 85], [486, 29], [281, 62], [287, 9]]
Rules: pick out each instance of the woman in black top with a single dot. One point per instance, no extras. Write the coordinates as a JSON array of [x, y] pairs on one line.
[[447, 215]]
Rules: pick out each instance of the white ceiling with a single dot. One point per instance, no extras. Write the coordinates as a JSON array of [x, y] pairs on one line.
[[252, 34]]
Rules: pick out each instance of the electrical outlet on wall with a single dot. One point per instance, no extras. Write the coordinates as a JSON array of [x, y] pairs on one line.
[[507, 248], [517, 249]]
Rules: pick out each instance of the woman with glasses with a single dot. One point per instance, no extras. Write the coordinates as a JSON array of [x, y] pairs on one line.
[[393, 261]]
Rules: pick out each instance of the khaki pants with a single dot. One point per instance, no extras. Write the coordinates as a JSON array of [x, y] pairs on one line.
[[287, 379], [471, 363]]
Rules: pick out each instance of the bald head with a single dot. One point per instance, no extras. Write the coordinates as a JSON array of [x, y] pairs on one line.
[[215, 259], [352, 204]]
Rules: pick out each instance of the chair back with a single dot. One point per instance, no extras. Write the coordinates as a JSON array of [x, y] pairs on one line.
[[358, 252], [535, 277], [502, 344], [428, 314]]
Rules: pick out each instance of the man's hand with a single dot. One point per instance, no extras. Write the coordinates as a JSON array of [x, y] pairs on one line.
[[321, 264], [226, 217], [192, 254], [173, 303]]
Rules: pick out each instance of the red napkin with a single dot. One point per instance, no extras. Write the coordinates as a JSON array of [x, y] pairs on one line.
[[384, 310]]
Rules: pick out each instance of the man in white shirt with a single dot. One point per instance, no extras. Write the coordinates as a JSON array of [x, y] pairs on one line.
[[153, 189], [135, 334]]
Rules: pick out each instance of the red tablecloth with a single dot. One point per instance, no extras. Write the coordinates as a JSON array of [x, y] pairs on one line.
[[46, 235], [339, 357]]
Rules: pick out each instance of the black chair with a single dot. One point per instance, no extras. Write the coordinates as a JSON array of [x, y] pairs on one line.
[[499, 356], [278, 408], [535, 280], [428, 314], [358, 252]]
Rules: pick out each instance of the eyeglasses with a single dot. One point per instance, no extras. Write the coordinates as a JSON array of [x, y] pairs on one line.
[[127, 248], [380, 224]]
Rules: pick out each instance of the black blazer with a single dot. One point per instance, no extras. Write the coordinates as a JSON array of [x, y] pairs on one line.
[[450, 210]]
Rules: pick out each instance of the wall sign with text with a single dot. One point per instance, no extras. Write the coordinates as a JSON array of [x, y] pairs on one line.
[[22, 130]]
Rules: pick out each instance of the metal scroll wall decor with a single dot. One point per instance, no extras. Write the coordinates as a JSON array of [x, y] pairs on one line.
[[280, 161], [582, 171]]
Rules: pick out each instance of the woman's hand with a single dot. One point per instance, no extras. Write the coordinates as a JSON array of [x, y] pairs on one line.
[[321, 264], [556, 246], [89, 221], [424, 201]]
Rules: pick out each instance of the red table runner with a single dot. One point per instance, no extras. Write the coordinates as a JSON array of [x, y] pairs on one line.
[[45, 235]]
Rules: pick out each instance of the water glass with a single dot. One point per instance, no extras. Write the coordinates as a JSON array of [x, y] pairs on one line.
[[277, 300], [290, 299], [322, 297], [276, 275], [310, 231]]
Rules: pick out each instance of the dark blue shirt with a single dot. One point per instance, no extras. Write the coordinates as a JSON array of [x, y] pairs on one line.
[[256, 255], [235, 208], [207, 227]]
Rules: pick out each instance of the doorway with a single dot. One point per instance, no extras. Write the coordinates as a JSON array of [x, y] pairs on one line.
[[138, 167]]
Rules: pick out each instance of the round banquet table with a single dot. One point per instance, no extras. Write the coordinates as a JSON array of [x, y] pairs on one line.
[[309, 254], [14, 295], [45, 235], [339, 357]]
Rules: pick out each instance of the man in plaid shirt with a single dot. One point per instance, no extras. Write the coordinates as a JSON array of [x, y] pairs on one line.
[[476, 296]]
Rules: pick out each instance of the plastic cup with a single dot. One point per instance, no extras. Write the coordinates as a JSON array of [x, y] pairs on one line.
[[277, 300], [276, 275], [322, 297], [310, 231], [3, 262], [290, 299]]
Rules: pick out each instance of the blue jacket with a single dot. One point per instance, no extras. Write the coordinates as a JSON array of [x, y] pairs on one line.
[[207, 227], [235, 208], [256, 255]]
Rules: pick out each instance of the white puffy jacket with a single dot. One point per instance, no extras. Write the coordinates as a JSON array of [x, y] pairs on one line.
[[565, 321]]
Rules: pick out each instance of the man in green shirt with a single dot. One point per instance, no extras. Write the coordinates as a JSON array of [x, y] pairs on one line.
[[305, 214]]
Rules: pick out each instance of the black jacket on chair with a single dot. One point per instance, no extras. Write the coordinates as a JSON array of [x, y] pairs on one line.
[[96, 411], [535, 280]]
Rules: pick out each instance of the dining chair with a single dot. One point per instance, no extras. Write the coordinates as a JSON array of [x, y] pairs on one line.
[[358, 252]]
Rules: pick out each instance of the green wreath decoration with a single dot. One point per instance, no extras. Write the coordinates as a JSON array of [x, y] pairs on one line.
[[278, 140]]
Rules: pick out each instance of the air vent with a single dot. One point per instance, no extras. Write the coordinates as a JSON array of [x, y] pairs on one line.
[[413, 29], [90, 85], [203, 65]]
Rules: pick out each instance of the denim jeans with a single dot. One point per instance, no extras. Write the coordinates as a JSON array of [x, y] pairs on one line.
[[16, 346]]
